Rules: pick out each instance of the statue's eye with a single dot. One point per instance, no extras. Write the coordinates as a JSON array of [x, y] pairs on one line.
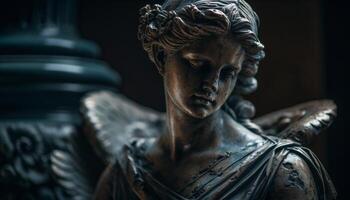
[[197, 63]]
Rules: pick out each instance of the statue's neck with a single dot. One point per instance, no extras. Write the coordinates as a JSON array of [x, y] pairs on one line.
[[186, 133]]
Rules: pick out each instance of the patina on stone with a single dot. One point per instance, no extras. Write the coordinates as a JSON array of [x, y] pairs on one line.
[[205, 146]]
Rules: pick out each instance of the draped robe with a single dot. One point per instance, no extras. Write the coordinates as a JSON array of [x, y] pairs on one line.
[[244, 175]]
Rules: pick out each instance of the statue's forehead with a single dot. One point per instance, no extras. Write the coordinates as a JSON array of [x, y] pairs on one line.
[[217, 49], [218, 40]]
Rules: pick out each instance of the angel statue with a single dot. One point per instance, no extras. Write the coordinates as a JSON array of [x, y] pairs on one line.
[[206, 145]]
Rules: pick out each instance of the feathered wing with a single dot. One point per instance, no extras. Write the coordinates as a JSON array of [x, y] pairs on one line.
[[77, 168], [109, 121], [112, 120], [301, 122]]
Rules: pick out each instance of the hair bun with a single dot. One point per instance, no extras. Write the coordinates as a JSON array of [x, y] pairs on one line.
[[244, 109], [154, 21]]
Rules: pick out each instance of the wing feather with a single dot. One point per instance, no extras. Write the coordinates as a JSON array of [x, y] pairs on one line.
[[301, 122], [111, 119]]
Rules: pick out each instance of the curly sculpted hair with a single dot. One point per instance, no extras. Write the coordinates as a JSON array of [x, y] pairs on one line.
[[178, 23]]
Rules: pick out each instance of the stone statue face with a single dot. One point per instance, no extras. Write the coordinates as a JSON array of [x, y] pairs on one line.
[[200, 77]]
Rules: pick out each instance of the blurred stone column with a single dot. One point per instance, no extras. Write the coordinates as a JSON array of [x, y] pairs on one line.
[[45, 69]]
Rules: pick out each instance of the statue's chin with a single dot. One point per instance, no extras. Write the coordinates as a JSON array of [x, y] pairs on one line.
[[199, 112], [196, 110]]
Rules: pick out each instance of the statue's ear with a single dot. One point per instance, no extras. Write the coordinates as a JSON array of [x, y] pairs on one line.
[[159, 58]]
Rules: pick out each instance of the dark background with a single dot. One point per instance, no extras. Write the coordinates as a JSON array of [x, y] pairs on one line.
[[306, 42]]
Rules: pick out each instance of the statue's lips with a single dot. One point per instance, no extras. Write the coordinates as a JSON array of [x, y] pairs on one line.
[[204, 99]]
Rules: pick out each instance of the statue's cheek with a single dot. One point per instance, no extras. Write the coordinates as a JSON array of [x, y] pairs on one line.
[[226, 87]]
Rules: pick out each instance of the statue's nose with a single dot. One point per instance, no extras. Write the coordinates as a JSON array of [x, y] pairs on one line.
[[211, 83]]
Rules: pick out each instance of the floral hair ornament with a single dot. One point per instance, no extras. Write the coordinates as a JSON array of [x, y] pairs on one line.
[[154, 22]]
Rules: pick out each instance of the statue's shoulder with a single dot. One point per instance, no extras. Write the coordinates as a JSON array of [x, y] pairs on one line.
[[294, 180], [112, 184], [297, 173]]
